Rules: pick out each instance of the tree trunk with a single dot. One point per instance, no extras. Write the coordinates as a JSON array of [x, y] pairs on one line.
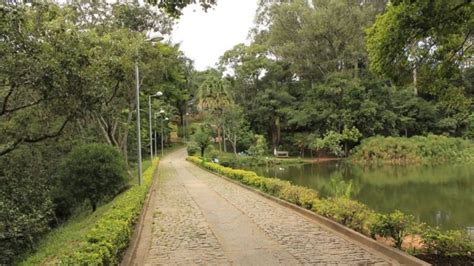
[[415, 76], [345, 148], [223, 135], [202, 151], [219, 138], [234, 144], [94, 205]]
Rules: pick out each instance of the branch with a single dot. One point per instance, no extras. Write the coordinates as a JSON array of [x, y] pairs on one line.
[[12, 146], [49, 136], [114, 93], [5, 100]]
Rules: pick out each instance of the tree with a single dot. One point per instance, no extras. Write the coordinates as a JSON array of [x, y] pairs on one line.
[[349, 135], [214, 97], [202, 138], [234, 125], [94, 172], [26, 208], [422, 41], [43, 81], [260, 146]]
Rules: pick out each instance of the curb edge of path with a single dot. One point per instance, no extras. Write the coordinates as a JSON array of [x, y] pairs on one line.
[[390, 252], [131, 251]]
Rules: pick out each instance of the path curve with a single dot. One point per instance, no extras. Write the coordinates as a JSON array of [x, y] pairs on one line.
[[200, 218]]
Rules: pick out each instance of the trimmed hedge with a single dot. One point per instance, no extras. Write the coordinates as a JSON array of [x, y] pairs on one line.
[[431, 149], [109, 238], [353, 214]]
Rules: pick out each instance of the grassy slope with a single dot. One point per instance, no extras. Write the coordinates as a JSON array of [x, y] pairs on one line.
[[64, 238]]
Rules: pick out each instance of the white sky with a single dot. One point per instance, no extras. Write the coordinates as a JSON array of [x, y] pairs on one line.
[[204, 37]]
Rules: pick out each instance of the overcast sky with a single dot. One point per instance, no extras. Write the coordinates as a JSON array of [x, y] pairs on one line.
[[204, 37]]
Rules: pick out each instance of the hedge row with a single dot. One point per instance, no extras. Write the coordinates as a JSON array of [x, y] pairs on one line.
[[431, 149], [353, 214], [109, 238]]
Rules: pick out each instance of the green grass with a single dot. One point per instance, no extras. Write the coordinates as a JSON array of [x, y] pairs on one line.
[[66, 237]]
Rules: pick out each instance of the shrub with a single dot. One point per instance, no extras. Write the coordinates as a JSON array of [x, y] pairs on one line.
[[202, 138], [350, 213], [192, 148], [431, 149], [25, 204], [448, 243], [93, 172], [395, 225], [108, 239]]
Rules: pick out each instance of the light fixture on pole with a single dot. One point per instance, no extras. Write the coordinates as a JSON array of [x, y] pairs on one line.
[[162, 134], [151, 37], [162, 112], [184, 125], [158, 94]]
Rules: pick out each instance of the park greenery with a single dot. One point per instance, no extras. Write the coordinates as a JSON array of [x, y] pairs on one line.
[[67, 81], [320, 76], [381, 81], [396, 227]]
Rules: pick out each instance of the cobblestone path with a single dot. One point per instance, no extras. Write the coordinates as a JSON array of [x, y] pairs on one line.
[[202, 219]]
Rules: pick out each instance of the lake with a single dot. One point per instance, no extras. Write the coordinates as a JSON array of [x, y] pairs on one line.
[[438, 195]]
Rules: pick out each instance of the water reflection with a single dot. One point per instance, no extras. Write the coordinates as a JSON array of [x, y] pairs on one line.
[[437, 195]]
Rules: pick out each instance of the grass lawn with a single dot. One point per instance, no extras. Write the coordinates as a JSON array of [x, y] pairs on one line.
[[63, 240]]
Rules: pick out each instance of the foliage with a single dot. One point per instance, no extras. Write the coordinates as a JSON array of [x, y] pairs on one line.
[[431, 149], [409, 36], [339, 188], [108, 238], [345, 211], [192, 148], [235, 127], [349, 135], [202, 139], [44, 86], [259, 148], [395, 225], [449, 243], [93, 172], [25, 204]]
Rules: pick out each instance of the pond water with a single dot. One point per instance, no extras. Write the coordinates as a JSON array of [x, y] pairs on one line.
[[437, 195]]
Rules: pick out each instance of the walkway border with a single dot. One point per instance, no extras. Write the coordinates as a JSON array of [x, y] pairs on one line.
[[131, 252], [390, 252]]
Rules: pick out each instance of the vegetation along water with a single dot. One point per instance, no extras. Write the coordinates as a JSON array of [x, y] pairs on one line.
[[438, 195]]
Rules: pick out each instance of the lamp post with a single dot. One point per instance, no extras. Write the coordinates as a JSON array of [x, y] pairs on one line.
[[184, 125], [156, 37], [156, 134], [162, 112], [158, 94]]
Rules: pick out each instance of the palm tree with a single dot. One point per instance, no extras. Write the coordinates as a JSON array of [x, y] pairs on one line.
[[214, 97]]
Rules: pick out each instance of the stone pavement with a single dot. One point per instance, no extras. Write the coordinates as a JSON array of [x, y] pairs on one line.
[[202, 219]]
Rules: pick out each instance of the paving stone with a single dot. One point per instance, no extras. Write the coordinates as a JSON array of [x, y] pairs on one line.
[[202, 219]]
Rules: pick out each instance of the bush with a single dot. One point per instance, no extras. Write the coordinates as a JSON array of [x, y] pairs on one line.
[[25, 204], [431, 149], [108, 239], [192, 148], [450, 243], [93, 172], [395, 225], [345, 211]]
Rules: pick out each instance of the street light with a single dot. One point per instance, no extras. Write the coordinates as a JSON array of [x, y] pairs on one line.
[[158, 94], [152, 37], [162, 132], [184, 125]]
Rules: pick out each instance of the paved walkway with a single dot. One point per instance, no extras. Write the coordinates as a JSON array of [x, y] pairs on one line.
[[199, 218]]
